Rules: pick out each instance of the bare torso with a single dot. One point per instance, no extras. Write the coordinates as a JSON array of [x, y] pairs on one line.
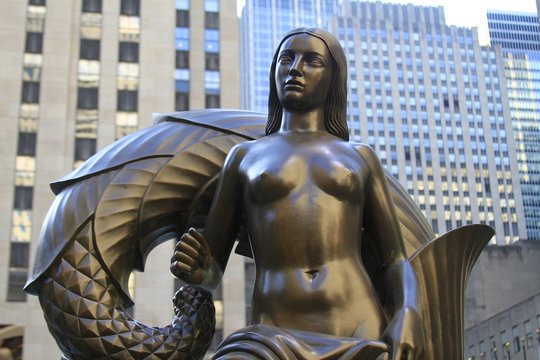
[[304, 207]]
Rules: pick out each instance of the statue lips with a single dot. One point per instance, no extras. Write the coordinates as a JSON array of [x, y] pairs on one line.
[[294, 85]]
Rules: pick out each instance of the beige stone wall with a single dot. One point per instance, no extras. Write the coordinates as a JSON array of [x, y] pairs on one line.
[[12, 30], [229, 55], [502, 277], [491, 329], [196, 55], [55, 146], [157, 56]]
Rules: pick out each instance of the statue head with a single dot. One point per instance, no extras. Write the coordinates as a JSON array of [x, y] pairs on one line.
[[335, 108]]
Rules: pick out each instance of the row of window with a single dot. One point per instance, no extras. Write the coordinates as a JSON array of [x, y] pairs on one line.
[[25, 164], [88, 78], [508, 343], [127, 7], [127, 117], [212, 62]]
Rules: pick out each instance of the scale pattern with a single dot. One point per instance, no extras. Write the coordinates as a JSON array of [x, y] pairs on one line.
[[86, 316]]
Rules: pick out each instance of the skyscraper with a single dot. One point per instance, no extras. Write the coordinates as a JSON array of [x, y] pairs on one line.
[[519, 36], [263, 24], [77, 75], [433, 104]]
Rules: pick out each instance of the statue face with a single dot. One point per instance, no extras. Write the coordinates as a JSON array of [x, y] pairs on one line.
[[303, 72]]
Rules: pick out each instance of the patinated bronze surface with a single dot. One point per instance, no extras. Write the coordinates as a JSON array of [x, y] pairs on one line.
[[108, 215], [347, 267], [311, 202]]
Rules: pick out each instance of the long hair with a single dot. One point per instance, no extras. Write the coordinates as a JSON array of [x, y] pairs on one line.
[[335, 108]]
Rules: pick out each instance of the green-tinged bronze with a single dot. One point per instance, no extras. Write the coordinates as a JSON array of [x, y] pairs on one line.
[[347, 267]]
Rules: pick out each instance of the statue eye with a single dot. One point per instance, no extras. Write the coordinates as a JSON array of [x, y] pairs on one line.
[[315, 61], [285, 59]]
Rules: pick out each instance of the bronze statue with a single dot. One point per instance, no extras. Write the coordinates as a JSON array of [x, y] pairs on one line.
[[341, 273], [306, 194], [309, 200]]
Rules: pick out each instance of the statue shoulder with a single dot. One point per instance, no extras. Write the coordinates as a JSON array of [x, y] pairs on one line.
[[366, 152], [237, 154]]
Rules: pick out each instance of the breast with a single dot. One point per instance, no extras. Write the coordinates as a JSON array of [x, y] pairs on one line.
[[270, 181], [338, 180]]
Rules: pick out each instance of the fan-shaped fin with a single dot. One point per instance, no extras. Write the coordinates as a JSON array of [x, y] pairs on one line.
[[443, 266]]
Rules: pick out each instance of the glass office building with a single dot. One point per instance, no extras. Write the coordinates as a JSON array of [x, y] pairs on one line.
[[433, 104], [519, 36], [263, 24]]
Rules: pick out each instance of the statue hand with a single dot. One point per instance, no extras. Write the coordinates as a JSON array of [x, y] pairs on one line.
[[191, 259], [405, 335]]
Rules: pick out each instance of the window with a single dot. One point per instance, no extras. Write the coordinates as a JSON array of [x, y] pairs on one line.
[[472, 352], [27, 144], [493, 348], [482, 348], [211, 41], [211, 20], [87, 98], [504, 339], [19, 254], [91, 6], [34, 43], [16, 279], [212, 101], [89, 49], [182, 18], [127, 100], [84, 149], [211, 5], [23, 197], [181, 101], [128, 52], [182, 4], [130, 7], [181, 37], [528, 333], [30, 92], [182, 59], [212, 61], [515, 338]]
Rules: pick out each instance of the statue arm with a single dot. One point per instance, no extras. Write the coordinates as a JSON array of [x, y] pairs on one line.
[[202, 259], [225, 214], [404, 333]]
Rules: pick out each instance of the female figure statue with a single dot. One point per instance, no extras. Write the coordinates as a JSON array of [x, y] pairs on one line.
[[306, 195]]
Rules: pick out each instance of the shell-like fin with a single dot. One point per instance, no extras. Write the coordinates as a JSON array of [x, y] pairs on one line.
[[443, 266]]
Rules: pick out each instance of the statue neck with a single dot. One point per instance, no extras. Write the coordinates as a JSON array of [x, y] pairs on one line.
[[303, 121]]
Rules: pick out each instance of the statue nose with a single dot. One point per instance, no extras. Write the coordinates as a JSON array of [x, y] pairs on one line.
[[295, 71]]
